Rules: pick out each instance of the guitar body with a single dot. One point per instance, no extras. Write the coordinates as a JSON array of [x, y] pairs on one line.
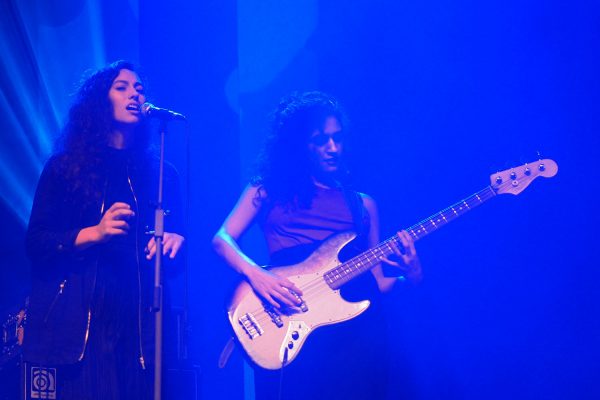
[[273, 337]]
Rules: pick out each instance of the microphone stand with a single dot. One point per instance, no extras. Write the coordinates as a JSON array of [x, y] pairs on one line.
[[157, 304]]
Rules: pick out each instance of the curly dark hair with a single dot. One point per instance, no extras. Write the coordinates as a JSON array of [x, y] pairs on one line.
[[283, 167], [85, 136]]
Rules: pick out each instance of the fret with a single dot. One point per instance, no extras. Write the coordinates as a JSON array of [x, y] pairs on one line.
[[431, 223], [369, 258], [372, 252], [389, 247]]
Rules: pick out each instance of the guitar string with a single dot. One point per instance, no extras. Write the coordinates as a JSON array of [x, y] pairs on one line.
[[355, 265], [263, 317], [320, 285], [315, 287], [308, 289]]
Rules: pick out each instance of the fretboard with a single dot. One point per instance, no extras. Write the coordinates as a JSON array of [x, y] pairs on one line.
[[349, 270]]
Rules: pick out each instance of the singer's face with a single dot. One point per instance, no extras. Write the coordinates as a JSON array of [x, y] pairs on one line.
[[325, 147], [127, 95]]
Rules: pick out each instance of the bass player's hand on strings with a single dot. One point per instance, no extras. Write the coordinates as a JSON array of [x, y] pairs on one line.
[[273, 288], [405, 258]]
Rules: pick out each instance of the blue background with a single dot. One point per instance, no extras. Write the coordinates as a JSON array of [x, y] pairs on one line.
[[440, 95]]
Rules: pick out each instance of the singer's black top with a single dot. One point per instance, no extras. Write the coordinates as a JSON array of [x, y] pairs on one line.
[[105, 289]]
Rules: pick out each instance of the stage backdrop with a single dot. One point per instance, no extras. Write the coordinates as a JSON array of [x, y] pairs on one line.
[[440, 95]]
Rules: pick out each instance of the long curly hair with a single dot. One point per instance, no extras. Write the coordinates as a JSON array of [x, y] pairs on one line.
[[85, 136], [283, 168]]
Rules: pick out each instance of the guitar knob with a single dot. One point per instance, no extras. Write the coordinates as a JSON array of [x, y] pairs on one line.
[[542, 167], [527, 171], [295, 335], [498, 180], [290, 345], [513, 176]]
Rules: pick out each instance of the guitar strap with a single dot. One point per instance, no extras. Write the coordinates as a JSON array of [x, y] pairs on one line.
[[226, 352], [357, 209]]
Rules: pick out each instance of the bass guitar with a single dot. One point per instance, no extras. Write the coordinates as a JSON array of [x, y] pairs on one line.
[[273, 337]]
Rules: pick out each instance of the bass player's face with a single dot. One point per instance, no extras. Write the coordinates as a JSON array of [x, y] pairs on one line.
[[325, 147]]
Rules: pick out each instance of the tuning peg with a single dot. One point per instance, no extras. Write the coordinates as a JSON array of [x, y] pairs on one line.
[[513, 175]]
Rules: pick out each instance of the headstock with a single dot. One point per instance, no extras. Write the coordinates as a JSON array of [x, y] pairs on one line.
[[515, 180]]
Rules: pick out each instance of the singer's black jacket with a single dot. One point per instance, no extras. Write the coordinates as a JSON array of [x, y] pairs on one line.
[[63, 278]]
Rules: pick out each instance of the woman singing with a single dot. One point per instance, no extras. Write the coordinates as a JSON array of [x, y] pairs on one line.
[[89, 244]]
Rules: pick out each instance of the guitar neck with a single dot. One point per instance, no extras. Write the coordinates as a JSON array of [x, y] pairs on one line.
[[349, 270]]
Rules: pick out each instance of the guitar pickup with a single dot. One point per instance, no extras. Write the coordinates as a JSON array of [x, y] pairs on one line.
[[275, 317], [251, 325], [303, 307]]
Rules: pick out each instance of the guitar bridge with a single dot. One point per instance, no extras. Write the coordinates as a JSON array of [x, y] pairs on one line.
[[251, 325]]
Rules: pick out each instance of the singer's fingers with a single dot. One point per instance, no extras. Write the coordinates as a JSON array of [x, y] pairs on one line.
[[151, 243], [115, 232], [171, 248], [118, 224], [172, 244], [121, 213], [118, 206], [150, 253]]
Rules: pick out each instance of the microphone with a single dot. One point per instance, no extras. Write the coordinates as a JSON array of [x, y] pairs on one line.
[[151, 111]]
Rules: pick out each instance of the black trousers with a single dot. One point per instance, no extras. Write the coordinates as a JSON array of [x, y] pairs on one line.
[[347, 361], [109, 371]]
